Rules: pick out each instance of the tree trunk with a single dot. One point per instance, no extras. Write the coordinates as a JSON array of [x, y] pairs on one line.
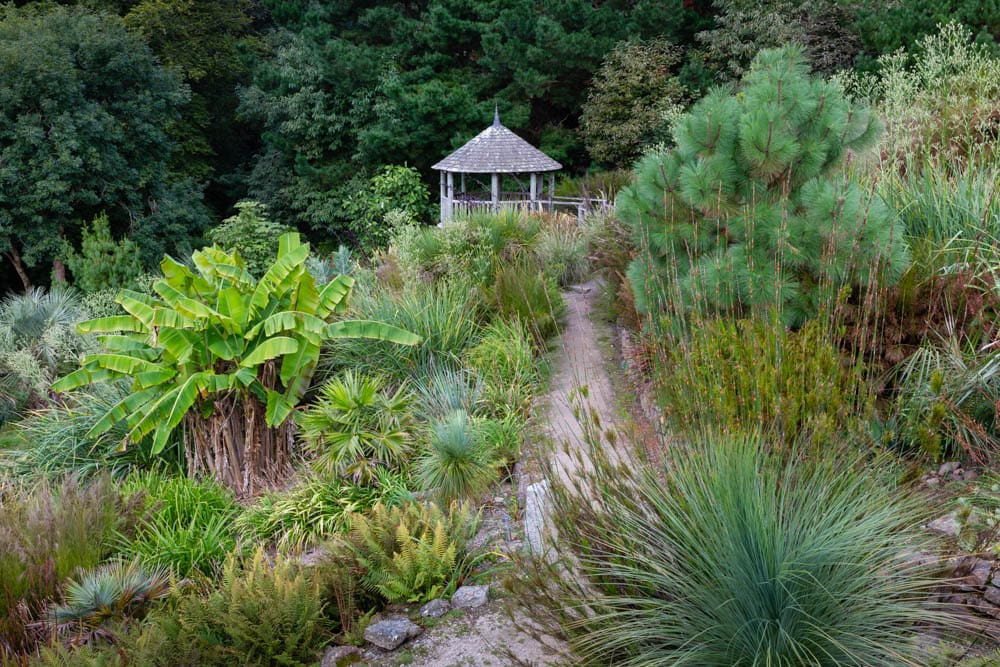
[[58, 271], [236, 447], [22, 273]]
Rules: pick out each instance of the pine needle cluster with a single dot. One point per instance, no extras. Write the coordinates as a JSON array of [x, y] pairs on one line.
[[748, 212]]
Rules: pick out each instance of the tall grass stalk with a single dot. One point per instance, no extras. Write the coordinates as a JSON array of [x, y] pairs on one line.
[[730, 553]]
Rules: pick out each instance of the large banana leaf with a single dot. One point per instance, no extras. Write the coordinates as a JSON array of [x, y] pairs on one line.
[[371, 329]]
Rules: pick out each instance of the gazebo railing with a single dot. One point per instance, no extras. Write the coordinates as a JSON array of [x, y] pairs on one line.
[[475, 202]]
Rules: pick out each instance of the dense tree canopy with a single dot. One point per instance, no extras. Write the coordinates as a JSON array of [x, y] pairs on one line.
[[83, 109]]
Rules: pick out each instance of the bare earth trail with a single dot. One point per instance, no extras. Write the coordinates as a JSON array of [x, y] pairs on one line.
[[487, 636]]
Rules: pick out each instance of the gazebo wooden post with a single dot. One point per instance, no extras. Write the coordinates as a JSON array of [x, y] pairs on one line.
[[444, 200], [495, 191], [451, 195], [552, 191], [534, 191], [463, 182]]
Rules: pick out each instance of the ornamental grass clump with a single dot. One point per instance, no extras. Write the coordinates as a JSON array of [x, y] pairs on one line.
[[732, 553]]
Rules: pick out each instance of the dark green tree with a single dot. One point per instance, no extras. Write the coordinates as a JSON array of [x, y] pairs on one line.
[[824, 28], [211, 43], [749, 211], [357, 84], [630, 100], [252, 234], [83, 106]]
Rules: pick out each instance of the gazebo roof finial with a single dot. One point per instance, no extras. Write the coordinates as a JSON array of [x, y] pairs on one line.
[[496, 115]]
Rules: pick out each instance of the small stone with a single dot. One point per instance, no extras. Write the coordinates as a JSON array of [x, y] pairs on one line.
[[979, 572], [992, 595], [339, 656], [390, 634], [971, 475], [470, 597], [435, 608], [932, 481], [948, 467], [945, 525]]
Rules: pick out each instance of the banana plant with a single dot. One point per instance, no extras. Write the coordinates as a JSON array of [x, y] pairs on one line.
[[224, 356]]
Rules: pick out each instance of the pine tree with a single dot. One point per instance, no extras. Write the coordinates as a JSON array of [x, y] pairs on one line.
[[749, 209]]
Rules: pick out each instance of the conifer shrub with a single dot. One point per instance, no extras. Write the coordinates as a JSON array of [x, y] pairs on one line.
[[748, 211], [187, 526], [410, 553], [103, 262], [751, 375]]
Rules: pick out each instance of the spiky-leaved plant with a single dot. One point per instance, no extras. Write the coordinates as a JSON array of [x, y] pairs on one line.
[[458, 462], [747, 211], [106, 599], [358, 426]]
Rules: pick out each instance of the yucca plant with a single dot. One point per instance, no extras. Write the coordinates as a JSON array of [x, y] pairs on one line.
[[458, 463], [729, 553], [224, 354], [38, 342], [410, 553], [358, 426], [104, 601]]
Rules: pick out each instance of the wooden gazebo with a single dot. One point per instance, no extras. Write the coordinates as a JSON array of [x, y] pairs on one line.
[[503, 155]]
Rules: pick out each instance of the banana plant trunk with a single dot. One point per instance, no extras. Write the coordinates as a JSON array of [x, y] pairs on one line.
[[235, 446]]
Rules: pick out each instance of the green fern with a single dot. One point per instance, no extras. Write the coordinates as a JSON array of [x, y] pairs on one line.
[[410, 553]]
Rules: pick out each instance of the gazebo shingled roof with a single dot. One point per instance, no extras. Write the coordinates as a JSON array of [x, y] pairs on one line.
[[497, 150]]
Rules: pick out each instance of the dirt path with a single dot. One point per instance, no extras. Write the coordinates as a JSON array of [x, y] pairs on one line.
[[579, 387], [581, 396]]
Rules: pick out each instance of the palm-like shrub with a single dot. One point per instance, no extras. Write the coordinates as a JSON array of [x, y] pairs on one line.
[[105, 600], [410, 553], [188, 524], [730, 554], [224, 354], [357, 427], [747, 211], [946, 401], [38, 342], [458, 463]]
